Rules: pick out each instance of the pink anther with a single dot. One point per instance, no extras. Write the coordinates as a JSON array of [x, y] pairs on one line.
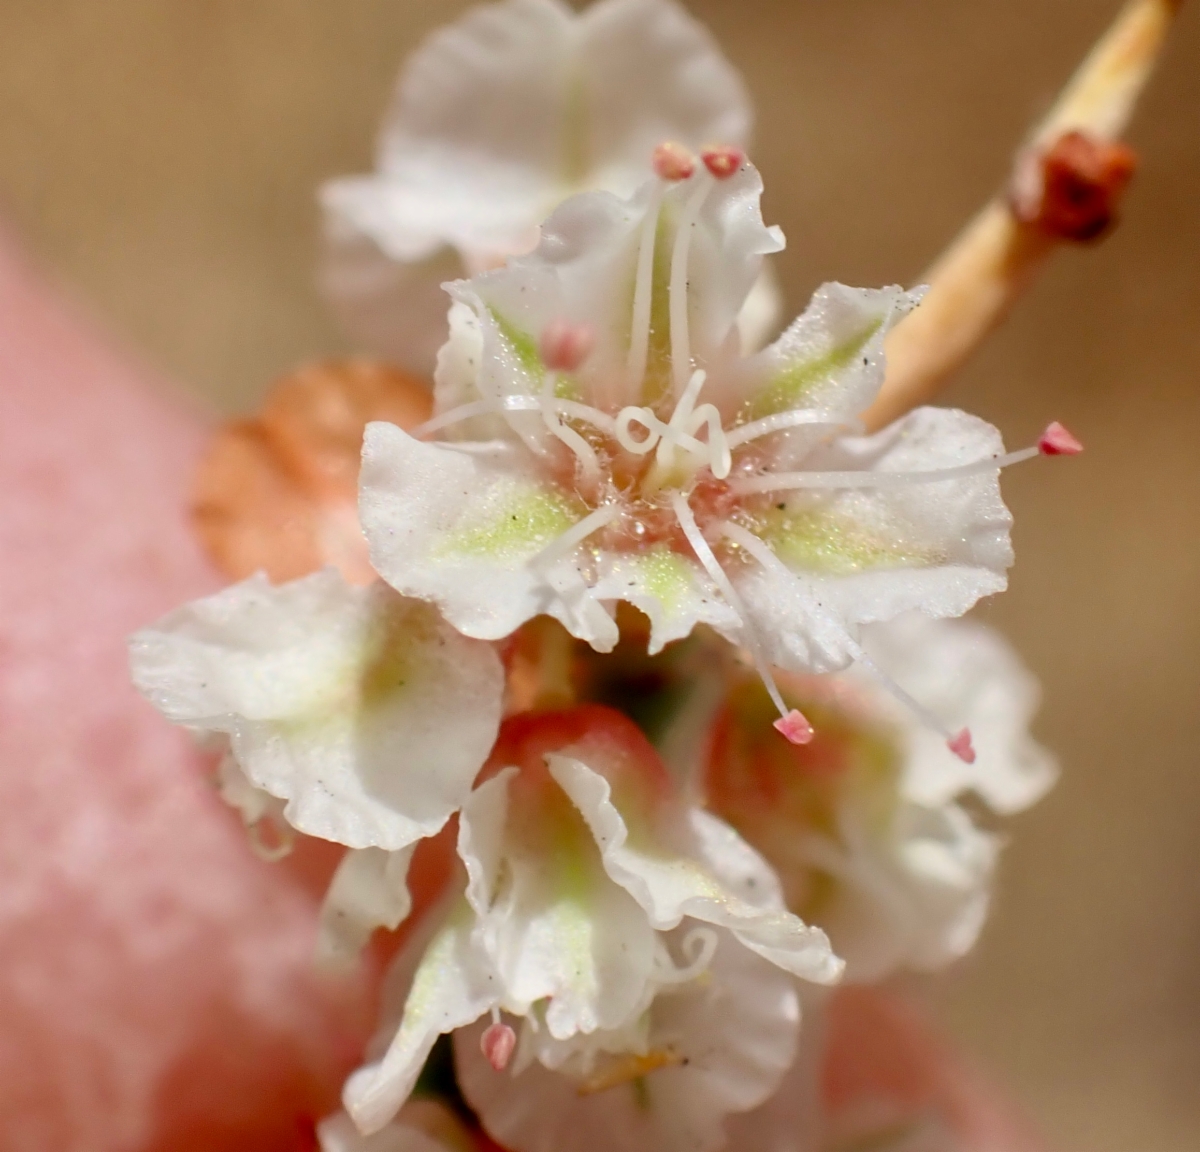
[[1057, 441], [795, 727], [564, 346], [961, 746], [497, 1044], [673, 161], [723, 162]]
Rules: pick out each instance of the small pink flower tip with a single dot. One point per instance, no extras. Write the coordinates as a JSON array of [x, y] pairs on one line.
[[564, 346], [673, 161], [961, 746], [795, 727], [1057, 441], [497, 1044], [723, 162]]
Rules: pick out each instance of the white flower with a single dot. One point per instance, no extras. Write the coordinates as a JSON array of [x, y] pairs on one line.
[[712, 1047], [497, 119], [421, 1126], [364, 712], [970, 676], [581, 866], [861, 825], [607, 441]]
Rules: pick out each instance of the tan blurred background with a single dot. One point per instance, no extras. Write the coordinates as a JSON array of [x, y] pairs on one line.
[[161, 156]]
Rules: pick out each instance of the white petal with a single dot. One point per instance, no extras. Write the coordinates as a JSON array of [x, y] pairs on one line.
[[366, 712], [758, 320], [671, 589], [733, 1034], [862, 555], [471, 153], [460, 529], [649, 73], [369, 890], [337, 1133], [916, 898], [971, 678], [556, 928], [454, 985], [670, 885], [831, 358], [793, 1118]]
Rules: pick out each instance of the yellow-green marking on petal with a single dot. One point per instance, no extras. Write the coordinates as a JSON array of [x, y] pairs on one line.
[[667, 576], [518, 524], [795, 385], [823, 542]]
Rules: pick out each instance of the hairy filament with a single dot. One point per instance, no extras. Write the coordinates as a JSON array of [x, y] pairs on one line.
[[589, 465], [681, 347], [687, 521], [565, 544], [761, 552], [643, 293], [788, 481], [784, 420]]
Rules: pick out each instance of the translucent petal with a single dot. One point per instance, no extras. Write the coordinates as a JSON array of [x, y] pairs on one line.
[[857, 555], [669, 884], [726, 1038], [369, 890], [365, 711], [461, 528]]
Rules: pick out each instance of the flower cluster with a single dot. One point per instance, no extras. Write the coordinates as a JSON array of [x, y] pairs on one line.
[[660, 646]]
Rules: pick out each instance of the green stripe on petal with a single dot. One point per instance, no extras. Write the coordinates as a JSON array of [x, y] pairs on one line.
[[817, 541], [524, 346], [517, 524], [667, 576], [795, 385]]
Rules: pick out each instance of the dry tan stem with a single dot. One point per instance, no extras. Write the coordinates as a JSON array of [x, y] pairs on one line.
[[984, 271]]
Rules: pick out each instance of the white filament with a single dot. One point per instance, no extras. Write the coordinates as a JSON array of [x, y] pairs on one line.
[[789, 481], [762, 552], [565, 544], [699, 947], [571, 408], [687, 521], [679, 432], [589, 465], [681, 347], [793, 419], [643, 294]]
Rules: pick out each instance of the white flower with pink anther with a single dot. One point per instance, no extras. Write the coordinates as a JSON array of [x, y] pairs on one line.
[[498, 118], [598, 436]]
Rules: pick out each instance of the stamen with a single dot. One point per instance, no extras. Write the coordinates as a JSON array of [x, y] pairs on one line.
[[475, 408], [1057, 441], [795, 726], [787, 481], [565, 346], [681, 349], [761, 552], [687, 521], [793, 419], [673, 162], [497, 1045], [624, 1069], [643, 294], [723, 161], [699, 947], [961, 746], [589, 465], [565, 544]]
